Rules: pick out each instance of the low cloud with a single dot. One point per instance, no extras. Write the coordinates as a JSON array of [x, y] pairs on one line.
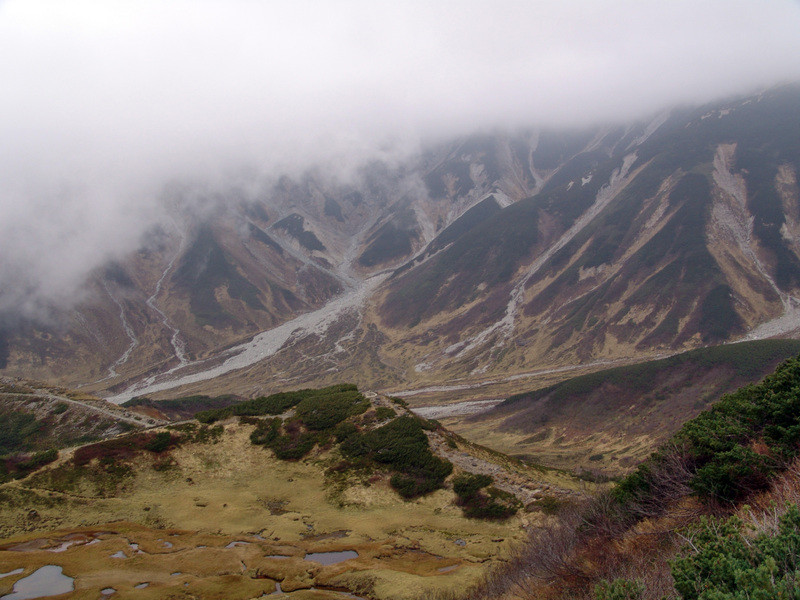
[[105, 102]]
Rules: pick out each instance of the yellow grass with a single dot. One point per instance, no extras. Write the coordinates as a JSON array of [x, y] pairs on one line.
[[216, 494]]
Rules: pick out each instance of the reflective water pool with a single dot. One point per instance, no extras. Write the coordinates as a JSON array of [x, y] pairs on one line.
[[331, 558], [46, 581]]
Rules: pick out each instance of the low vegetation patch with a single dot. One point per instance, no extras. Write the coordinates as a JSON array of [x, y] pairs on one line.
[[746, 360], [648, 537], [665, 393], [10, 387], [480, 500], [732, 449], [100, 469], [727, 559], [120, 449], [17, 429], [21, 465], [402, 446], [203, 434], [186, 406], [335, 397], [336, 415], [28, 442]]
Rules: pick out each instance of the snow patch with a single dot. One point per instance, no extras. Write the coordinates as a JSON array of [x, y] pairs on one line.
[[502, 199], [505, 326], [651, 128]]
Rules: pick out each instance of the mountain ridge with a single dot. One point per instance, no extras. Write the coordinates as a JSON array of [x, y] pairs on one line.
[[503, 254]]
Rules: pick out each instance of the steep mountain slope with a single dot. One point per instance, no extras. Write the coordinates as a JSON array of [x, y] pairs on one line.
[[491, 255], [712, 513], [612, 419], [679, 239]]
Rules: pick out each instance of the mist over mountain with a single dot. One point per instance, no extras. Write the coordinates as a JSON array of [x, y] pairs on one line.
[[478, 259], [267, 273], [105, 106]]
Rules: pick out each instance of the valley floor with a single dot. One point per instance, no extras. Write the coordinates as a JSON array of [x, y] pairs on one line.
[[228, 520]]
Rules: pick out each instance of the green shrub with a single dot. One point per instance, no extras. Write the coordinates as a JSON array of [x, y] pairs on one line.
[[718, 448], [384, 412], [356, 445], [320, 412], [199, 435], [275, 404], [123, 448], [344, 431], [494, 504], [206, 435], [265, 432], [401, 445], [279, 403], [467, 485], [17, 467], [430, 424], [38, 460], [619, 589], [723, 562], [412, 486], [485, 507], [549, 505], [732, 474], [17, 428], [160, 442], [211, 416], [293, 447]]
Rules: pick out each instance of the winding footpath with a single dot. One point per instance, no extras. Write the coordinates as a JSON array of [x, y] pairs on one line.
[[119, 414]]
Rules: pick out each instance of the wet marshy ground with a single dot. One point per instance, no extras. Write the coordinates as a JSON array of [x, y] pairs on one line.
[[132, 561]]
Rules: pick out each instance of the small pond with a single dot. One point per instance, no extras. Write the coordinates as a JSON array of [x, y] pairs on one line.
[[46, 581], [331, 558]]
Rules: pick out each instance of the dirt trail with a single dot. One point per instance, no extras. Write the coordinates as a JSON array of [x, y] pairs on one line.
[[524, 488], [117, 414], [519, 483]]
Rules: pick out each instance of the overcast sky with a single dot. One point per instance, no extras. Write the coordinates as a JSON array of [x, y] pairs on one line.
[[102, 102]]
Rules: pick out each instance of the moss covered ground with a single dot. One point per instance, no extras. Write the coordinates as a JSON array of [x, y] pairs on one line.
[[183, 506]]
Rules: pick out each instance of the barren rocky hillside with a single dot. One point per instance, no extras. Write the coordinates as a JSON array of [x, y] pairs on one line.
[[493, 255]]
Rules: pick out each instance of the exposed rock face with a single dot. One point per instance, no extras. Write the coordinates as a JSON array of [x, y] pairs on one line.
[[498, 253]]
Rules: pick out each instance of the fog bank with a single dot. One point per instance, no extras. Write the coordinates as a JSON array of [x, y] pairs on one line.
[[105, 102]]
